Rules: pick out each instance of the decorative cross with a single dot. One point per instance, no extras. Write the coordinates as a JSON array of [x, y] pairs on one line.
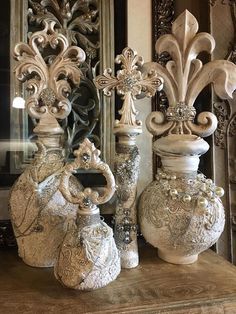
[[129, 83]]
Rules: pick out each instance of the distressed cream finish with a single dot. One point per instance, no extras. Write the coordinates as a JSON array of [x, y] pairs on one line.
[[88, 257], [40, 214], [180, 212]]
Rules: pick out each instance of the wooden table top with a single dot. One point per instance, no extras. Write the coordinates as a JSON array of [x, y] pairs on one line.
[[208, 286]]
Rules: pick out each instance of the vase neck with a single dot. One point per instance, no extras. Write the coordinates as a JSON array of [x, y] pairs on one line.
[[180, 164], [87, 220], [50, 141]]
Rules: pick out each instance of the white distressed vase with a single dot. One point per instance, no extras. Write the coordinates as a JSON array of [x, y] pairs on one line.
[[129, 83], [88, 258], [180, 212], [40, 215]]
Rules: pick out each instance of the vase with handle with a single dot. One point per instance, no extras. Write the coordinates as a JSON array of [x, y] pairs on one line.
[[88, 257]]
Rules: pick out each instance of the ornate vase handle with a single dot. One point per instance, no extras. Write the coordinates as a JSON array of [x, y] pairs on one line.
[[87, 158]]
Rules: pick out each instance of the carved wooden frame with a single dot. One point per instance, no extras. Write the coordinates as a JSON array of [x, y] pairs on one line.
[[224, 136]]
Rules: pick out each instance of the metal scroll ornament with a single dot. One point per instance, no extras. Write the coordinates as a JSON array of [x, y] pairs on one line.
[[129, 83], [39, 213], [180, 212], [88, 258]]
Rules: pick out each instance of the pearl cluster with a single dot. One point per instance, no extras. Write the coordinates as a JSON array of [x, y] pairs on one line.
[[203, 189]]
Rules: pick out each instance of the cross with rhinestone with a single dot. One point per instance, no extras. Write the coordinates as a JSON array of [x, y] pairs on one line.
[[129, 83]]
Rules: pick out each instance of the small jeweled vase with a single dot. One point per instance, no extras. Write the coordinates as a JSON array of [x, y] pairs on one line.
[[180, 212], [39, 213], [88, 258]]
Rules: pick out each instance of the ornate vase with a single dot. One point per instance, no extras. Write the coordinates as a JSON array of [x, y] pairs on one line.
[[129, 83], [180, 212], [40, 214], [88, 258]]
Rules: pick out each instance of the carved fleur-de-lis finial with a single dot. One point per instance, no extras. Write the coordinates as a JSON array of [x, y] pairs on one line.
[[48, 80], [185, 76], [129, 83]]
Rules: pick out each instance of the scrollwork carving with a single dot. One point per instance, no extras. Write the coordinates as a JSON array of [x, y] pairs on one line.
[[129, 83], [48, 81], [79, 21], [74, 19], [185, 76], [223, 112], [87, 157]]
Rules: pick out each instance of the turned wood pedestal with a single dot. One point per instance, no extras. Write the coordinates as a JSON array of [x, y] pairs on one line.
[[207, 286]]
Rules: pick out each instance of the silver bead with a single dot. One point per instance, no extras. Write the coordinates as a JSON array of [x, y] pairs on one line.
[[202, 202], [173, 177], [187, 198], [219, 191], [127, 240]]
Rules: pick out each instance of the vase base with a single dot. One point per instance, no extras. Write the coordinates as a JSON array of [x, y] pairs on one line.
[[37, 264], [177, 259], [128, 263]]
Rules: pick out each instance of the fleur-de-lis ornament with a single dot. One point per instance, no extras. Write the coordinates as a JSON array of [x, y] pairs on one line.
[[180, 212], [185, 76], [130, 82], [48, 80]]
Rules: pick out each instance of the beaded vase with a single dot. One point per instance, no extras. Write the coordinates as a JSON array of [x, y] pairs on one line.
[[180, 212]]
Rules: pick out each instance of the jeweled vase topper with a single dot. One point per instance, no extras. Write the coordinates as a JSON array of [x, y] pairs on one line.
[[129, 83], [49, 79], [184, 78]]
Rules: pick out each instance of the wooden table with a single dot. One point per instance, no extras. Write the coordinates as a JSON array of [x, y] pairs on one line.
[[208, 286]]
